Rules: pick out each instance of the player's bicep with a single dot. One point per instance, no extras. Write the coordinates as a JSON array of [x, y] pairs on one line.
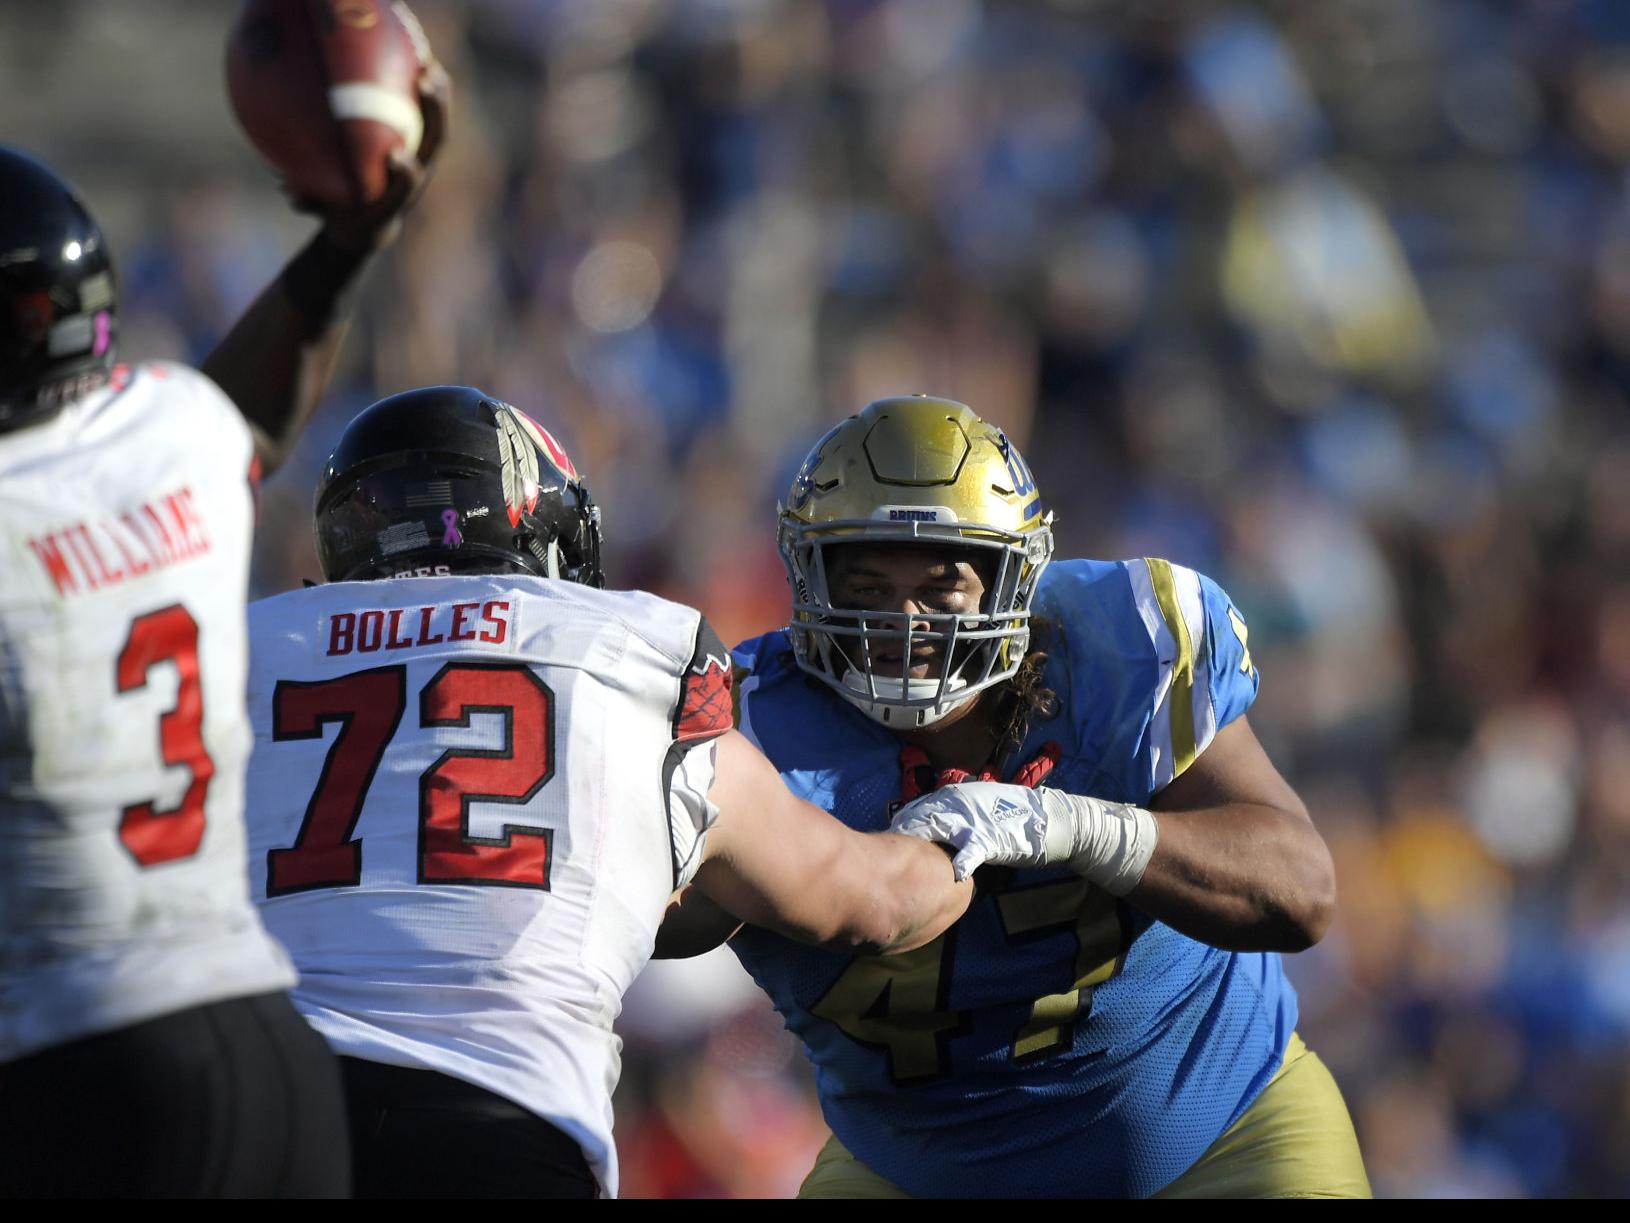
[[1234, 768]]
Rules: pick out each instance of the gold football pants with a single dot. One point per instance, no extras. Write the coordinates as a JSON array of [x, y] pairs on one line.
[[1295, 1141]]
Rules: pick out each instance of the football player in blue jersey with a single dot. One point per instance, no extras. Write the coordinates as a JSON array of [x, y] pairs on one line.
[[1111, 1019]]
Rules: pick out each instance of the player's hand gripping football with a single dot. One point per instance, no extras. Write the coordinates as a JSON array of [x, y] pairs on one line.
[[376, 224], [1003, 824]]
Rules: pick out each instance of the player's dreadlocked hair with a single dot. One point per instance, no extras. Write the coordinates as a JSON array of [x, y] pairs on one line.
[[1024, 696]]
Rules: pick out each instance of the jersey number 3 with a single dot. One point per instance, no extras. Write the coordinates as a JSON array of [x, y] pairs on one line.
[[368, 706], [170, 634]]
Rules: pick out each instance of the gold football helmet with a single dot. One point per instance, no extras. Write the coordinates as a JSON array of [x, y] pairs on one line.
[[922, 471]]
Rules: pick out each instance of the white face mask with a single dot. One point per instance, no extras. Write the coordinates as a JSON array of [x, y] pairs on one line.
[[898, 703]]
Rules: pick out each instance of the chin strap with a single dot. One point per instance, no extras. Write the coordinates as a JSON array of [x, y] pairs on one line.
[[858, 693], [548, 556]]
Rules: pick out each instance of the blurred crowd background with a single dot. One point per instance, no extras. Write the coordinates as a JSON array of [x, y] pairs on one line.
[[1330, 301]]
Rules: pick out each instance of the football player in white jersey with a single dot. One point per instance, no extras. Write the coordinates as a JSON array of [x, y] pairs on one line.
[[147, 1044], [478, 780]]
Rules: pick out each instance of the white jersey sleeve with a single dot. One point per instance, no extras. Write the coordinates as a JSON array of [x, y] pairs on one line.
[[469, 802], [124, 539], [705, 712]]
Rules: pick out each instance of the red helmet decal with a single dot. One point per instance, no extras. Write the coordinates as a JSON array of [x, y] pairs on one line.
[[547, 443]]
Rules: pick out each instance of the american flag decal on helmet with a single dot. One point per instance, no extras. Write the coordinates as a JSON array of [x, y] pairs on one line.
[[434, 493]]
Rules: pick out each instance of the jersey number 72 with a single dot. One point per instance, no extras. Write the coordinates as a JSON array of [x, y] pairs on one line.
[[368, 705]]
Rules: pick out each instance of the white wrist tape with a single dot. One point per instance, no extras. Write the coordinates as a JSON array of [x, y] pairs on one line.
[[1108, 844]]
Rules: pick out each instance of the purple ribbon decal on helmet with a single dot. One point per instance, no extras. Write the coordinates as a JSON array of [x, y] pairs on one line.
[[104, 333], [450, 537]]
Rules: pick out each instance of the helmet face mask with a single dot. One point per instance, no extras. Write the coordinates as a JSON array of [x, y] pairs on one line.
[[917, 473], [58, 315], [450, 480]]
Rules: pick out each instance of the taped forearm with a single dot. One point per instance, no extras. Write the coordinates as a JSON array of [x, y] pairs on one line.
[[1108, 844], [1011, 825]]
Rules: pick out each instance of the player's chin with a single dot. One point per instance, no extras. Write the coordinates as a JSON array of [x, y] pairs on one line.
[[923, 667]]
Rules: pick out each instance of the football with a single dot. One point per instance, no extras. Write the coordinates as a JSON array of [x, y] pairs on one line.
[[326, 90]]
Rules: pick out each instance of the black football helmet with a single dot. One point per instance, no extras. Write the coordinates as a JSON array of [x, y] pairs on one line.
[[58, 318], [447, 479]]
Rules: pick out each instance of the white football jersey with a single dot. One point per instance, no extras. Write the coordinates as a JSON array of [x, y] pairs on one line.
[[469, 802], [124, 553]]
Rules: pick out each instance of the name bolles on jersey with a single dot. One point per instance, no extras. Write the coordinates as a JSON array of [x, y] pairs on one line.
[[382, 631]]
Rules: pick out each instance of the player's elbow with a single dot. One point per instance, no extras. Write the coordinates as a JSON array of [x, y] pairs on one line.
[[919, 902], [872, 926], [899, 914], [1312, 904], [887, 894]]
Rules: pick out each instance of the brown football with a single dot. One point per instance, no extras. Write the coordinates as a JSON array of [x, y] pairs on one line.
[[327, 90]]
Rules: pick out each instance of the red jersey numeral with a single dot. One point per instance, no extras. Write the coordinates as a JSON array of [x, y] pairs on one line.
[[168, 635], [448, 853], [368, 705]]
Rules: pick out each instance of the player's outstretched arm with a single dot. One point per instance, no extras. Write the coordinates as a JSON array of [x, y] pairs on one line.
[[1226, 853], [778, 862], [276, 361]]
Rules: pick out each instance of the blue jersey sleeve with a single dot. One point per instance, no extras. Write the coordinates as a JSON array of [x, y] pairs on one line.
[[1207, 679], [1157, 665], [1232, 676]]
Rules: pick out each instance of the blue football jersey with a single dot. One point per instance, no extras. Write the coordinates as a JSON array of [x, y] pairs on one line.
[[1055, 1041]]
